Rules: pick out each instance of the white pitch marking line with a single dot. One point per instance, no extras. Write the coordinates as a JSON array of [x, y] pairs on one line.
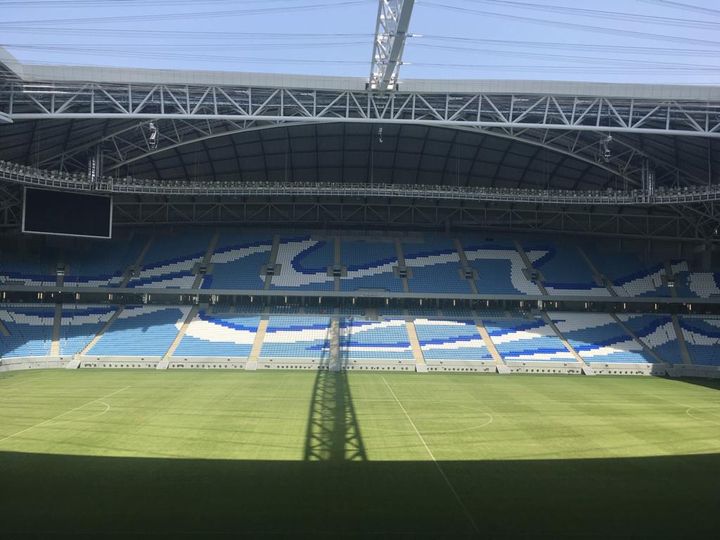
[[435, 461], [49, 420]]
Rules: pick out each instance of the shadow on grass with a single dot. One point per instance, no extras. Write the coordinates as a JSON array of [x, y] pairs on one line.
[[51, 496], [333, 432], [707, 383]]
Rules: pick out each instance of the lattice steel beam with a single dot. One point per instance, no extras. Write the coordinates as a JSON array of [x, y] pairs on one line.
[[391, 31], [24, 101]]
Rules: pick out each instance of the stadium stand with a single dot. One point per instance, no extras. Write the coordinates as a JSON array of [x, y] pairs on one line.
[[451, 340], [225, 335], [105, 264], [297, 337], [698, 284], [238, 260], [702, 337], [141, 331], [29, 331], [564, 270], [171, 258], [597, 337], [432, 258], [499, 267], [80, 324], [361, 339], [27, 270], [304, 264], [657, 332], [369, 264], [526, 340]]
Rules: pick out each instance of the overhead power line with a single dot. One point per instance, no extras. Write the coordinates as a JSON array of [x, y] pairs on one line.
[[574, 26], [190, 15], [602, 14], [684, 6]]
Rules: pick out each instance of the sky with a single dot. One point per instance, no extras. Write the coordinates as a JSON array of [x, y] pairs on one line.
[[639, 41]]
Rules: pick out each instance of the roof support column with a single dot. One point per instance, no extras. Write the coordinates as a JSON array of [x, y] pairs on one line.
[[391, 29]]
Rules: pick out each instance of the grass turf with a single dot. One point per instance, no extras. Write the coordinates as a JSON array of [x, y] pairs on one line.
[[300, 454]]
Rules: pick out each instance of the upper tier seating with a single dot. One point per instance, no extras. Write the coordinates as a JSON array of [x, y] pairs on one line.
[[297, 336], [30, 330], [80, 324], [141, 331], [226, 335], [304, 264], [658, 333], [171, 258], [702, 337], [238, 260], [526, 340], [499, 267], [241, 259], [564, 270], [698, 284], [629, 276], [105, 264], [377, 340], [451, 340], [435, 265], [27, 269], [597, 337], [369, 265]]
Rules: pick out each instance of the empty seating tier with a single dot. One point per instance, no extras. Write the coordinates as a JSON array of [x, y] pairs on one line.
[[597, 337], [218, 335], [451, 340], [523, 340], [304, 264], [430, 259], [29, 328], [376, 340], [141, 331], [369, 264], [80, 324], [702, 337], [297, 337], [238, 260]]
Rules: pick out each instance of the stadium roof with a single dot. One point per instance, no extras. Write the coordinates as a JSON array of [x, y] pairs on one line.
[[415, 152], [57, 122]]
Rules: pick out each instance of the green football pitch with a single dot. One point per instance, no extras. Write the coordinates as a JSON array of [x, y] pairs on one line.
[[287, 454]]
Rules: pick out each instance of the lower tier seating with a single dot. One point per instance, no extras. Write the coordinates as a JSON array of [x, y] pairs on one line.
[[141, 331], [527, 340], [355, 335], [29, 331], [597, 337], [451, 340], [218, 335], [79, 326], [297, 336], [702, 337], [377, 340]]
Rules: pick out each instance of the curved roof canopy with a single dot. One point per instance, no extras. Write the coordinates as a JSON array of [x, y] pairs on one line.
[[304, 150]]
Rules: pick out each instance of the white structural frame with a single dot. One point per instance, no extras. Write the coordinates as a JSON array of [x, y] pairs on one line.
[[391, 32], [515, 111]]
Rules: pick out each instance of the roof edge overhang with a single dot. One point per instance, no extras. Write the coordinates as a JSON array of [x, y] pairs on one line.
[[113, 75]]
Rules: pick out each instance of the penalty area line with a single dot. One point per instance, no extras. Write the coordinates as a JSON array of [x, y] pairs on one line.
[[464, 508], [50, 420]]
